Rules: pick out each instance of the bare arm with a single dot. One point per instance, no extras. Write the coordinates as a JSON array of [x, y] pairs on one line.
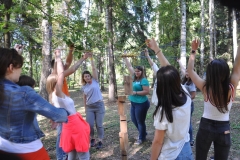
[[74, 67], [150, 61], [94, 70], [236, 70], [151, 43], [84, 101], [129, 66], [60, 74], [157, 144], [197, 80], [145, 91], [69, 57]]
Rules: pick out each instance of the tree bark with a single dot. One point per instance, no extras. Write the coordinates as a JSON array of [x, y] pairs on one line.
[[202, 39], [46, 50], [112, 91], [211, 9], [183, 34], [234, 23]]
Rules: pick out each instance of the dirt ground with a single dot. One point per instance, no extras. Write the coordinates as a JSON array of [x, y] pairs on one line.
[[111, 149]]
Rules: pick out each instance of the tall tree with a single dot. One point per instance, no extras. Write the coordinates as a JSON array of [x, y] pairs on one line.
[[234, 26], [112, 91], [7, 6], [211, 26], [183, 33], [46, 48], [202, 38]]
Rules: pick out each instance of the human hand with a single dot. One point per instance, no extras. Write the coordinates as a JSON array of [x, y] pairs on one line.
[[53, 124], [195, 44], [18, 48], [146, 52], [87, 54], [71, 46], [151, 43]]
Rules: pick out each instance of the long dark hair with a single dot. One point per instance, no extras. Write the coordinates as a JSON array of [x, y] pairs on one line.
[[169, 91], [83, 81], [217, 83], [7, 57]]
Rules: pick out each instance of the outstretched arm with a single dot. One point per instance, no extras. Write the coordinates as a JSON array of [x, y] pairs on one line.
[[129, 66], [235, 77], [150, 61], [74, 67], [94, 70], [69, 57], [197, 80], [151, 43], [60, 74]]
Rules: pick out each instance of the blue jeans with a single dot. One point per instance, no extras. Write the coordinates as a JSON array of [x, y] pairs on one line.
[[190, 128], [217, 132], [95, 113], [61, 155], [138, 117], [186, 153], [73, 155]]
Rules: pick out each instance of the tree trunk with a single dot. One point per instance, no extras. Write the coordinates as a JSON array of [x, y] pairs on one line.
[[46, 50], [183, 34], [112, 91], [202, 39], [157, 23], [211, 5], [234, 23], [7, 36]]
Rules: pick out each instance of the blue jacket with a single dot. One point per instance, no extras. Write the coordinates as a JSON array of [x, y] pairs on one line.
[[18, 121]]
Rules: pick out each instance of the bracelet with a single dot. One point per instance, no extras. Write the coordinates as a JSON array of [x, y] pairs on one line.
[[158, 52], [193, 51]]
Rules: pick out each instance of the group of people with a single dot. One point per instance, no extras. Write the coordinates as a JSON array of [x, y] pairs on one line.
[[173, 94], [19, 130], [20, 133]]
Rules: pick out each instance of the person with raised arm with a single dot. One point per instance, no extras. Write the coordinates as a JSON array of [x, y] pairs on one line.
[[218, 90], [75, 134], [139, 100], [191, 88], [20, 134], [155, 69], [172, 114], [94, 105], [59, 152]]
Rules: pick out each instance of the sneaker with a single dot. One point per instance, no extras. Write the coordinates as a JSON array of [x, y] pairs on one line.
[[212, 158], [138, 142], [93, 142], [99, 145]]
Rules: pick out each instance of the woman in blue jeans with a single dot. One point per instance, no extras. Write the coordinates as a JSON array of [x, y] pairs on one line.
[[139, 100], [172, 114], [218, 90]]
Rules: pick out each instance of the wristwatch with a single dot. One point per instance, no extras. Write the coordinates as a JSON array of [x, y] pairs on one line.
[[193, 51]]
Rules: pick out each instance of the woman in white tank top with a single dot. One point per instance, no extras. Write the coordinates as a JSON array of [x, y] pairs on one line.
[[75, 136], [218, 90]]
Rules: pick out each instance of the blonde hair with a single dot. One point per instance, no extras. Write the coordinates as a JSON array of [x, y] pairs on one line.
[[50, 85]]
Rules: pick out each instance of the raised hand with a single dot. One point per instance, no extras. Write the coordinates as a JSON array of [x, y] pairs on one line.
[[151, 43], [195, 44], [18, 48], [87, 54], [146, 52]]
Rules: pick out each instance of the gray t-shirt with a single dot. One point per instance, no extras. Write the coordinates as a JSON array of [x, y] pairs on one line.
[[92, 92], [190, 88]]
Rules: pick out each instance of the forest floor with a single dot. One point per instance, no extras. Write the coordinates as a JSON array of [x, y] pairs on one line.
[[111, 147]]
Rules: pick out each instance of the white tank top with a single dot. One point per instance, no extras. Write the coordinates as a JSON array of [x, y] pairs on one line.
[[211, 111], [66, 103]]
